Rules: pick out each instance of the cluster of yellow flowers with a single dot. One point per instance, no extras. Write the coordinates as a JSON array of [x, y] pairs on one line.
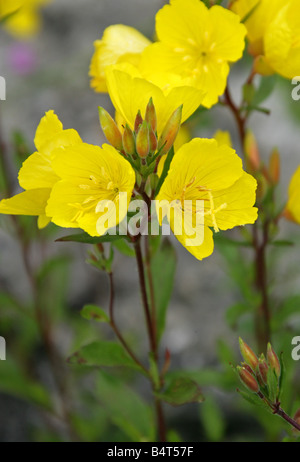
[[66, 179]]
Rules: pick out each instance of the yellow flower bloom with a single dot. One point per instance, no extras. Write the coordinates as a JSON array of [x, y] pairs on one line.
[[90, 176], [130, 93], [21, 16], [119, 43], [196, 43], [205, 171], [273, 33], [36, 175], [223, 137], [292, 210]]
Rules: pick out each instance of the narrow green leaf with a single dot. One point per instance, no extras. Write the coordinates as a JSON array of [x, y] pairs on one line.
[[182, 390], [125, 408], [93, 312], [272, 383], [122, 246], [167, 164], [103, 354], [85, 238], [282, 375], [163, 267], [255, 399], [264, 90], [282, 243], [212, 420]]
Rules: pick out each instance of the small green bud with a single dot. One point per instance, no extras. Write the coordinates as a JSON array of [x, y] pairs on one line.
[[150, 115], [143, 141], [128, 141], [248, 355], [110, 129], [273, 360], [170, 131]]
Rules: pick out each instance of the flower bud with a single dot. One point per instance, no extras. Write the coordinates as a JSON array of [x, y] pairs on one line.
[[247, 367], [138, 121], [274, 166], [110, 129], [263, 369], [143, 141], [170, 131], [128, 141], [248, 355], [150, 115], [248, 380], [152, 140], [251, 152], [273, 360]]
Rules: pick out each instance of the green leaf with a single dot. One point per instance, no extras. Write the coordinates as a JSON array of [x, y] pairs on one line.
[[248, 92], [167, 164], [272, 383], [282, 375], [289, 307], [212, 420], [103, 354], [181, 390], [282, 243], [264, 90], [14, 382], [85, 238], [125, 408], [122, 246], [93, 312], [163, 268], [255, 399]]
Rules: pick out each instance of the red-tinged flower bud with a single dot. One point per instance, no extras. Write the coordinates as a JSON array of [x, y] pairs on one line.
[[246, 366], [143, 141], [274, 166], [128, 141], [150, 115], [170, 131], [251, 152], [138, 121], [153, 140], [273, 360], [263, 370], [248, 355], [248, 379], [110, 129]]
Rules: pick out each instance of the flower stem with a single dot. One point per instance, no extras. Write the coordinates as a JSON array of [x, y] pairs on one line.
[[115, 328]]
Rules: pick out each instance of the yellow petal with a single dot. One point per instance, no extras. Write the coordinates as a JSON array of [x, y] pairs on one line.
[[47, 128], [31, 202], [119, 43]]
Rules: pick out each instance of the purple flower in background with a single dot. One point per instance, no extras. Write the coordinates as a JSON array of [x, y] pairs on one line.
[[22, 58]]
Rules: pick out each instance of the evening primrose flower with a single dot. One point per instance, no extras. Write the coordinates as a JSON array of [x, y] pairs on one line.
[[130, 93], [273, 34], [202, 170], [119, 43], [21, 17], [36, 175], [197, 44], [94, 183]]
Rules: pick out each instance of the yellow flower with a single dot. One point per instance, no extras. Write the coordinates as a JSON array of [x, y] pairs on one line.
[[21, 17], [36, 175], [119, 43], [223, 137], [292, 210], [205, 171], [130, 93], [90, 176], [273, 33], [196, 43]]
